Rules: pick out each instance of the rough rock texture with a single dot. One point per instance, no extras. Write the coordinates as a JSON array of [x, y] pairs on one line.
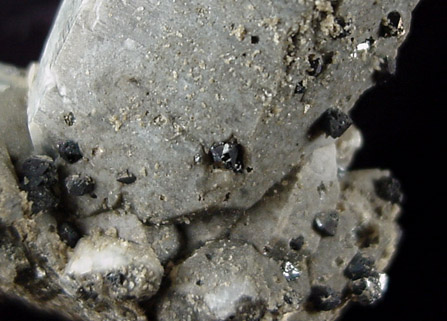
[[117, 267], [224, 280], [149, 85], [192, 160]]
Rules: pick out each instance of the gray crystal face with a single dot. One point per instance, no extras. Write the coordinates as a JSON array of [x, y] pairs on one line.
[[13, 102], [191, 161], [145, 87]]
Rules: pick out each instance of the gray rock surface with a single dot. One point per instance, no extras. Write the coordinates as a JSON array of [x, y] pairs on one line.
[[151, 85], [11, 198], [13, 103], [219, 186], [223, 280]]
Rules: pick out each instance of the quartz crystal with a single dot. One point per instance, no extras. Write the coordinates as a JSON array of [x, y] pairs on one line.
[[172, 160]]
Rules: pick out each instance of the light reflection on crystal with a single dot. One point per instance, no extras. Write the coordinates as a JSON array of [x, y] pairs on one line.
[[290, 272]]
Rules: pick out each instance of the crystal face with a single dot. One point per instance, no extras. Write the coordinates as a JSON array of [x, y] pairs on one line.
[[290, 272], [326, 223], [188, 162], [69, 151], [229, 154], [79, 185]]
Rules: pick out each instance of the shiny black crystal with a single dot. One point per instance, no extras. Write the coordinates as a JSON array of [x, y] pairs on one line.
[[326, 223], [78, 186], [333, 122], [360, 267], [70, 151], [126, 177], [39, 171], [228, 154]]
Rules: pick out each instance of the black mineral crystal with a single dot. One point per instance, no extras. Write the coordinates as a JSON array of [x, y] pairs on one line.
[[68, 233], [39, 170], [296, 243], [228, 155], [326, 223], [39, 177], [359, 267], [42, 198], [126, 177], [389, 189], [324, 298], [70, 151], [77, 185], [333, 122]]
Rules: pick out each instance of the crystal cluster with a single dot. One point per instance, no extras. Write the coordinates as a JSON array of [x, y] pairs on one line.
[[190, 161]]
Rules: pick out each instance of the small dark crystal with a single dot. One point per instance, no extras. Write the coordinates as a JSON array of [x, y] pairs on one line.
[[116, 278], [360, 267], [358, 286], [40, 175], [287, 299], [296, 243], [326, 223], [68, 233], [126, 177], [69, 151], [43, 199], [78, 186], [69, 119], [333, 122], [316, 65], [323, 298], [228, 154], [39, 171], [391, 26], [254, 39], [343, 26], [389, 189], [300, 88]]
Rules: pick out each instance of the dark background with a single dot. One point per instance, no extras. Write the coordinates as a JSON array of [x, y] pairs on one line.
[[403, 122]]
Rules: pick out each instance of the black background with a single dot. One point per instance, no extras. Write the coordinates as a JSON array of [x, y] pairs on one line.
[[403, 122]]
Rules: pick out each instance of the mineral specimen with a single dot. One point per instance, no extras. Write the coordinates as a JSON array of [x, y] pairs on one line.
[[191, 161], [69, 151], [68, 233], [78, 185]]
